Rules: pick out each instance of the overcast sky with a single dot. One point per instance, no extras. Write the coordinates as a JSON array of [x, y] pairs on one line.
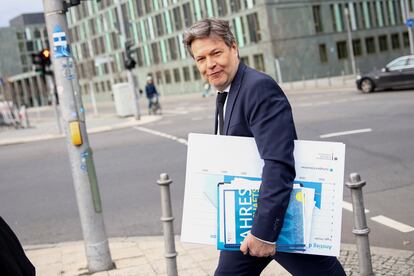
[[12, 8]]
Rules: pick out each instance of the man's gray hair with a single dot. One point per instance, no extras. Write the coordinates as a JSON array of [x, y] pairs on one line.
[[208, 27]]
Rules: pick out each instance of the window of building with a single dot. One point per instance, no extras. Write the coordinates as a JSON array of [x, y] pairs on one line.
[[209, 7], [23, 59], [259, 62], [196, 73], [188, 19], [222, 7], [160, 24], [254, 27], [178, 24], [245, 60], [36, 33], [341, 50], [337, 17], [124, 9], [239, 31], [173, 48], [383, 43], [395, 41], [235, 5], [29, 46], [379, 8], [140, 58], [147, 6], [249, 3], [357, 47], [155, 52], [370, 45], [406, 39], [176, 73], [323, 53], [139, 7], [167, 75], [158, 77], [366, 10], [186, 73], [317, 18]]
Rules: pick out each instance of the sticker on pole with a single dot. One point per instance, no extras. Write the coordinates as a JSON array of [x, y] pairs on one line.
[[410, 22], [60, 44]]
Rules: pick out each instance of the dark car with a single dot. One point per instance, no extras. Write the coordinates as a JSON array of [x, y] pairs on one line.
[[399, 73]]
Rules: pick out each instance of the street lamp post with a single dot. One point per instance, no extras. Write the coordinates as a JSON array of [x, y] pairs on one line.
[[350, 46], [408, 16]]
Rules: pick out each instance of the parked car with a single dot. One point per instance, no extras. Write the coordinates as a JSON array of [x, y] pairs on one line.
[[399, 73]]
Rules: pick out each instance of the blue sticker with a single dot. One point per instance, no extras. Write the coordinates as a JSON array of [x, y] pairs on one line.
[[84, 154], [60, 44], [81, 110], [68, 70]]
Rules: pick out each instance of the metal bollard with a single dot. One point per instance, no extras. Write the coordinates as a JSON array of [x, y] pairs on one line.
[[361, 229], [167, 225]]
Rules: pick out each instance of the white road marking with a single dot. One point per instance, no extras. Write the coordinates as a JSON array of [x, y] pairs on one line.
[[162, 134], [393, 224], [346, 132], [348, 206]]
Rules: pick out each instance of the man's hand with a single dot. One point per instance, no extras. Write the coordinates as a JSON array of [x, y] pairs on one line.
[[257, 248]]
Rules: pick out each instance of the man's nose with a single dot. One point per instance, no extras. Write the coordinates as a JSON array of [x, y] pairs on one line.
[[210, 63]]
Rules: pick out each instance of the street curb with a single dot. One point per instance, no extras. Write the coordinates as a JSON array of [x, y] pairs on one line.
[[344, 246], [149, 119]]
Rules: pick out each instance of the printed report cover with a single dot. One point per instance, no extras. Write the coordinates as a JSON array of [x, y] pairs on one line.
[[237, 203]]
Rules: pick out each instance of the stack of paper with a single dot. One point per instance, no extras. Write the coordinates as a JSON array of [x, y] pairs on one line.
[[237, 203]]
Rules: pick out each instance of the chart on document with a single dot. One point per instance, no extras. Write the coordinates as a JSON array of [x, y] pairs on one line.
[[213, 159]]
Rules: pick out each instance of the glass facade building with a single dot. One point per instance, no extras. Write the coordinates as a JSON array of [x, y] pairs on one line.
[[307, 37]]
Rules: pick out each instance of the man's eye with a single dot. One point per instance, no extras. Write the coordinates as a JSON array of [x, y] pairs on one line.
[[200, 59], [216, 53]]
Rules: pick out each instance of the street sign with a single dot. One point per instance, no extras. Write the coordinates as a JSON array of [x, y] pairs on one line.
[[409, 22]]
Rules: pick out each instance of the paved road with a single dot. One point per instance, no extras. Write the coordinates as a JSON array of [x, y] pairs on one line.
[[37, 196]]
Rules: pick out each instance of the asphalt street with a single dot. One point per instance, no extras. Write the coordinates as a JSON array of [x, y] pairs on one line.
[[37, 195]]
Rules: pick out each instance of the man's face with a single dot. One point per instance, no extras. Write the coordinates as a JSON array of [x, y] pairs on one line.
[[216, 61]]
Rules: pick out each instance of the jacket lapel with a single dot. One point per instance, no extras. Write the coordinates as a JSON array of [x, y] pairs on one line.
[[232, 96]]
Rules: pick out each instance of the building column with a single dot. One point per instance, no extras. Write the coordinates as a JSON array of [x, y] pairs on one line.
[[43, 92], [17, 93], [33, 92], [26, 92]]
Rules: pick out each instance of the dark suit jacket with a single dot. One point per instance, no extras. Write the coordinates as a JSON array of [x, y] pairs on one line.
[[257, 107]]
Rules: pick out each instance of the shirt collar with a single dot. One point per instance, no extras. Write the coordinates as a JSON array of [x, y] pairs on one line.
[[227, 89]]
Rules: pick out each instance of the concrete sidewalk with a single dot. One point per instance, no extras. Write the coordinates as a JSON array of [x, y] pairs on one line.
[[145, 256], [43, 124]]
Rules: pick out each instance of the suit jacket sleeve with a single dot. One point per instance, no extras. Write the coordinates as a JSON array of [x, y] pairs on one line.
[[271, 123]]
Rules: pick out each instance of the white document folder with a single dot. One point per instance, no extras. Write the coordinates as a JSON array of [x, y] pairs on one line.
[[213, 159]]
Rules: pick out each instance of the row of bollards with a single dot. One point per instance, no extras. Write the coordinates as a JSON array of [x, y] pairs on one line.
[[360, 230]]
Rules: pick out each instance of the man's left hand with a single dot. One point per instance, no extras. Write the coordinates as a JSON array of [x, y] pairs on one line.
[[256, 247]]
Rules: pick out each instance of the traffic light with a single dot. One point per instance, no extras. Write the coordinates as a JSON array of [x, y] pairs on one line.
[[42, 61], [129, 61]]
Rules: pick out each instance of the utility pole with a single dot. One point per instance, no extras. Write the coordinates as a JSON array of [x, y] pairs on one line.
[[130, 77], [80, 154], [406, 17], [350, 45]]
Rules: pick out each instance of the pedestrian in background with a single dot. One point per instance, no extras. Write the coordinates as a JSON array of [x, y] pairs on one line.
[[152, 95], [251, 104]]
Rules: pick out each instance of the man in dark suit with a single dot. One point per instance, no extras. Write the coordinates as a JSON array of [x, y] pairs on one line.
[[254, 106]]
